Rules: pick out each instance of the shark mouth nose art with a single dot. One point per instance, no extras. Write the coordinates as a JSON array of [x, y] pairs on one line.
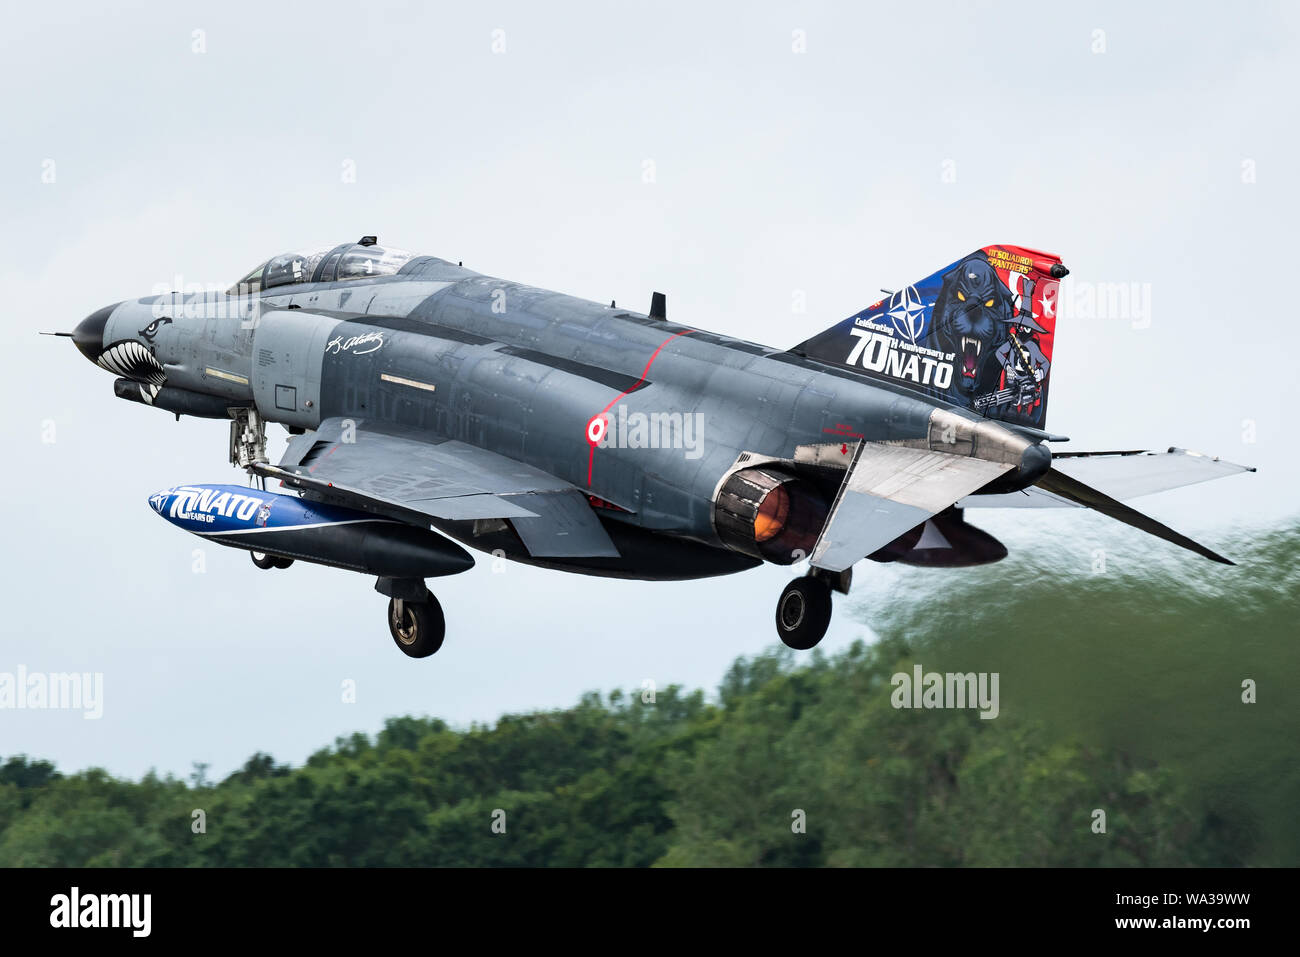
[[131, 359]]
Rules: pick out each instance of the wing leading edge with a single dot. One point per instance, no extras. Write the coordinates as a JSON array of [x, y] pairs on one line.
[[410, 472]]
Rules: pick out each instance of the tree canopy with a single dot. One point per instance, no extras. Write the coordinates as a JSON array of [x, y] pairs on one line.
[[1120, 695]]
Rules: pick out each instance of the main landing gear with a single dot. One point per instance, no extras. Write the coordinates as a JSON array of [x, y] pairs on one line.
[[415, 618], [418, 627], [803, 612]]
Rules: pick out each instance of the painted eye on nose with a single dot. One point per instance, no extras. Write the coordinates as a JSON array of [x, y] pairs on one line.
[[989, 304], [961, 296], [151, 330]]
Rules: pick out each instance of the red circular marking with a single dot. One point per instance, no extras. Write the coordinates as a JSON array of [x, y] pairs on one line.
[[604, 419]]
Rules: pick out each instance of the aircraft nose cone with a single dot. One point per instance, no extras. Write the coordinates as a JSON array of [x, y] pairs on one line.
[[88, 337]]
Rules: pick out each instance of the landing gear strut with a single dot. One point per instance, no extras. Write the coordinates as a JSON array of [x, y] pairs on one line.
[[248, 449], [803, 612], [247, 441]]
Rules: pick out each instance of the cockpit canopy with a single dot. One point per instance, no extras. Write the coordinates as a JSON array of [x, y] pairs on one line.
[[359, 260]]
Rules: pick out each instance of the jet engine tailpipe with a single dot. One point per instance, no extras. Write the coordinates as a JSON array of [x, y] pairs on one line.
[[770, 515]]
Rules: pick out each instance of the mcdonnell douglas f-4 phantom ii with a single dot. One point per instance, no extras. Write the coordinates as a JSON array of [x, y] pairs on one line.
[[429, 404]]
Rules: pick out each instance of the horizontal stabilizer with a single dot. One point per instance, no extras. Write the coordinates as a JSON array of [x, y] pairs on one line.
[[1058, 483], [1121, 475]]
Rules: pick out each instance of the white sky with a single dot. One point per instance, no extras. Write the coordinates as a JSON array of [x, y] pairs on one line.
[[775, 172]]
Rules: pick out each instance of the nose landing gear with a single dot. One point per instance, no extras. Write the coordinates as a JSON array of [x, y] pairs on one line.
[[248, 449], [803, 612]]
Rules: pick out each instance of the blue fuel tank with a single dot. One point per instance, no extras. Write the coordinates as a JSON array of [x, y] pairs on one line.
[[290, 527]]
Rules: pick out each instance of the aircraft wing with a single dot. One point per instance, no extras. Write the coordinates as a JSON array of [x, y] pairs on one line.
[[415, 472], [889, 490], [1121, 475]]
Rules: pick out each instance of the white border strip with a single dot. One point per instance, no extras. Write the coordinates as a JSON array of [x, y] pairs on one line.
[[427, 387], [228, 376], [296, 528]]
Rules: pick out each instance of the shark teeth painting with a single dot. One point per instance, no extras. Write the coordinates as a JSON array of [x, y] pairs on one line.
[[131, 359]]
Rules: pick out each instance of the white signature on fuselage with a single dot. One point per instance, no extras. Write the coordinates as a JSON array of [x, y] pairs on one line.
[[357, 345]]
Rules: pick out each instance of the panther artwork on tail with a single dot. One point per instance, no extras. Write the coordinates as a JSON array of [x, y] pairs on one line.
[[970, 321], [977, 333]]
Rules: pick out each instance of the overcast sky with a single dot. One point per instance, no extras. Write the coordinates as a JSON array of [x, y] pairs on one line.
[[741, 158]]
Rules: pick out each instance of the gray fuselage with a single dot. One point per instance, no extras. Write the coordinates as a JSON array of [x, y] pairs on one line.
[[524, 372]]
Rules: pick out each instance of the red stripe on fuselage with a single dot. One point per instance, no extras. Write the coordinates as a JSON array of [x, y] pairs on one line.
[[591, 456]]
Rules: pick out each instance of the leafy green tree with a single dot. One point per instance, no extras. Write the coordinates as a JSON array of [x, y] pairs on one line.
[[1121, 696]]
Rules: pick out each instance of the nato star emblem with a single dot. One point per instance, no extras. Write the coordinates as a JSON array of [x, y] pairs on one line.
[[907, 312]]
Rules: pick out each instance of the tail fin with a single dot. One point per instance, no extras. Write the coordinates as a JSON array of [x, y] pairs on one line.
[[977, 333]]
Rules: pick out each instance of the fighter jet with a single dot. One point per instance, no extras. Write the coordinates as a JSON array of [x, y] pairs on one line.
[[429, 405]]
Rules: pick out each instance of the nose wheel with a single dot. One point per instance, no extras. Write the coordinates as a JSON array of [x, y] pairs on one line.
[[265, 561], [803, 612]]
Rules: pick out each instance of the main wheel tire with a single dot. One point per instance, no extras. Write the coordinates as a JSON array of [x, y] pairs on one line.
[[803, 613], [417, 627], [282, 562], [262, 560]]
